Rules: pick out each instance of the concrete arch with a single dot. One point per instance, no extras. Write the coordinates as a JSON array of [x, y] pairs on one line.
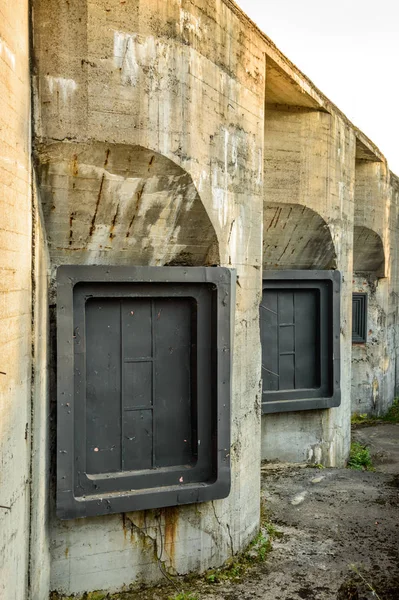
[[122, 204], [296, 237], [368, 252]]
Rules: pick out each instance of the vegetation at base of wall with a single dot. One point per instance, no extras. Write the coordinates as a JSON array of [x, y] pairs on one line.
[[363, 419], [184, 596], [359, 458], [256, 552], [392, 416], [236, 568]]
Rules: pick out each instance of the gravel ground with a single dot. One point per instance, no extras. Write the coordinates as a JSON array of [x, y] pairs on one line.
[[340, 533]]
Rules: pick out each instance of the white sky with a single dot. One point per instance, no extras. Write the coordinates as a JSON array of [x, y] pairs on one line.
[[350, 50]]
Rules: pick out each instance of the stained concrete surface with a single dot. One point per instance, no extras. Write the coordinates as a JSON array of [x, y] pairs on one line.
[[333, 521]]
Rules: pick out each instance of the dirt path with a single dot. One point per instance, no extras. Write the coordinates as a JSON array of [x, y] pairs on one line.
[[332, 521]]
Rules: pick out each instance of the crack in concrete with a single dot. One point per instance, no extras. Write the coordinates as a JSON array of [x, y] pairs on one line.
[[231, 539], [227, 527]]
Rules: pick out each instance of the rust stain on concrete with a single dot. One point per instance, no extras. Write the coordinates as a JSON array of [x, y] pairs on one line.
[[113, 222], [75, 168], [171, 516], [93, 221], [124, 526], [71, 219], [136, 208], [106, 157]]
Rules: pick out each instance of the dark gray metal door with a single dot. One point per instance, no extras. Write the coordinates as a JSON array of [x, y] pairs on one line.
[[143, 387], [299, 328]]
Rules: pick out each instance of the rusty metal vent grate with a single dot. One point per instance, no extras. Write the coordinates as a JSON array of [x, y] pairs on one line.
[[359, 318], [143, 387]]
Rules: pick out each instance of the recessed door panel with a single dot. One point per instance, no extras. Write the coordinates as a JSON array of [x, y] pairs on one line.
[[299, 327]]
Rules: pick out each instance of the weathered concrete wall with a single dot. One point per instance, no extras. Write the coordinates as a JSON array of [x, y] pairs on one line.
[[296, 237], [371, 361], [126, 205], [309, 163], [178, 87], [40, 411], [372, 208], [15, 299], [393, 304], [375, 239]]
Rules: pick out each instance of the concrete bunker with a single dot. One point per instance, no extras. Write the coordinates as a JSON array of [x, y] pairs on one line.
[[369, 319], [186, 81]]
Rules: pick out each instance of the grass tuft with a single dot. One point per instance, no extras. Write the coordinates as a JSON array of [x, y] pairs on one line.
[[359, 458]]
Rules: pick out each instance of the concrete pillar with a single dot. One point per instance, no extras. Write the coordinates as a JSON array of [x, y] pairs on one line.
[[393, 316], [373, 363], [185, 85], [15, 299], [309, 162]]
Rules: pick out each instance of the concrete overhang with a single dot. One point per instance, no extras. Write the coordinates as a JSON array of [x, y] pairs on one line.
[[282, 88], [366, 150]]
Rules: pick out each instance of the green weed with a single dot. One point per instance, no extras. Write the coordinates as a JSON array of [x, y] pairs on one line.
[[392, 415], [271, 530], [264, 546], [361, 419], [233, 570], [359, 458]]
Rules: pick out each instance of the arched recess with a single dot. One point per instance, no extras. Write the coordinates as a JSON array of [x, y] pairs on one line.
[[370, 362], [368, 252], [296, 237], [121, 204]]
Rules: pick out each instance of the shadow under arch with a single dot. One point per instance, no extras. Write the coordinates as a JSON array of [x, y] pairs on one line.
[[296, 237], [368, 252], [121, 204]]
